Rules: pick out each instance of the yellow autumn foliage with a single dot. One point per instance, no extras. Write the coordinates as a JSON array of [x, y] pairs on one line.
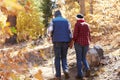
[[13, 76], [12, 5], [28, 26], [3, 19], [29, 23], [38, 75]]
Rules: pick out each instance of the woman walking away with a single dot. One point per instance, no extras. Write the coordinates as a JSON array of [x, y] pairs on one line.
[[81, 38]]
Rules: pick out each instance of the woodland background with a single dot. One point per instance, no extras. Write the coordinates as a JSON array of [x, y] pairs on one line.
[[23, 38]]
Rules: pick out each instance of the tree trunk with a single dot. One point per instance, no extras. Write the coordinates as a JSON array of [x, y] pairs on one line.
[[82, 6], [91, 6], [12, 20]]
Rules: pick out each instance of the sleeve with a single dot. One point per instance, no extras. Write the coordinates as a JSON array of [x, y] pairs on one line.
[[75, 33], [50, 29], [69, 27]]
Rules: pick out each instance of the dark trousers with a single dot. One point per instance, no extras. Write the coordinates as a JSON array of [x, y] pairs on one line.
[[60, 51], [81, 52]]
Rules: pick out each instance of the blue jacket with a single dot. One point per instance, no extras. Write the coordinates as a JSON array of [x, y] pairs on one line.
[[61, 31]]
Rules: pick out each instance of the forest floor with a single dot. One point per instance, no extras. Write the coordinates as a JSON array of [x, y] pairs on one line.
[[109, 71], [34, 60]]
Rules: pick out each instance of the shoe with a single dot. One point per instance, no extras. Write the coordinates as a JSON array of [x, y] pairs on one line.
[[66, 75], [57, 78], [87, 73], [80, 78]]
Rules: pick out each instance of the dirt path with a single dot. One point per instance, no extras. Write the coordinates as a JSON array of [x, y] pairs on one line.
[[47, 69], [109, 71], [112, 69]]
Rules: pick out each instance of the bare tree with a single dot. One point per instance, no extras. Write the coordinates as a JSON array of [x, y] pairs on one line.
[[82, 6], [91, 6]]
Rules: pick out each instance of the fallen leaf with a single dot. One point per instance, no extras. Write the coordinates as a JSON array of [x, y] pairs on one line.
[[42, 54], [38, 75], [14, 76]]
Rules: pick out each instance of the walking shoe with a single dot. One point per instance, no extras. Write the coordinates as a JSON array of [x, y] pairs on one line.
[[66, 75], [80, 78], [87, 73], [57, 78]]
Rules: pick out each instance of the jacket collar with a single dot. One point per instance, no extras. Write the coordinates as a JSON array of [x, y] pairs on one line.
[[80, 21]]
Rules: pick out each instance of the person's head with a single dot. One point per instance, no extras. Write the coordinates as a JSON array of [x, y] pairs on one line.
[[79, 17], [57, 13]]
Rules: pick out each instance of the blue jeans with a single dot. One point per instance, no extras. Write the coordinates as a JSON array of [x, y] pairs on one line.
[[60, 50], [81, 52]]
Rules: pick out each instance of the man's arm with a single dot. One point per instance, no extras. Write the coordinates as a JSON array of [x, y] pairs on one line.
[[69, 25], [50, 29], [75, 33], [71, 36]]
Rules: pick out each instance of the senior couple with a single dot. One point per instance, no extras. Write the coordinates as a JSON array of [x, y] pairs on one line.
[[62, 38]]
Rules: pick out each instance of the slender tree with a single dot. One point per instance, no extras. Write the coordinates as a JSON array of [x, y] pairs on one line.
[[82, 6], [91, 6]]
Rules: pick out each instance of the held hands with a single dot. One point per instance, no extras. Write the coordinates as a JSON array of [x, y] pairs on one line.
[[71, 44], [49, 39]]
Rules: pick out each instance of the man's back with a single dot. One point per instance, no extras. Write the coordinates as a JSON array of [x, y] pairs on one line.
[[61, 32]]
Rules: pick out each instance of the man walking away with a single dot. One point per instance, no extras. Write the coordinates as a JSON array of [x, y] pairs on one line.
[[61, 36]]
